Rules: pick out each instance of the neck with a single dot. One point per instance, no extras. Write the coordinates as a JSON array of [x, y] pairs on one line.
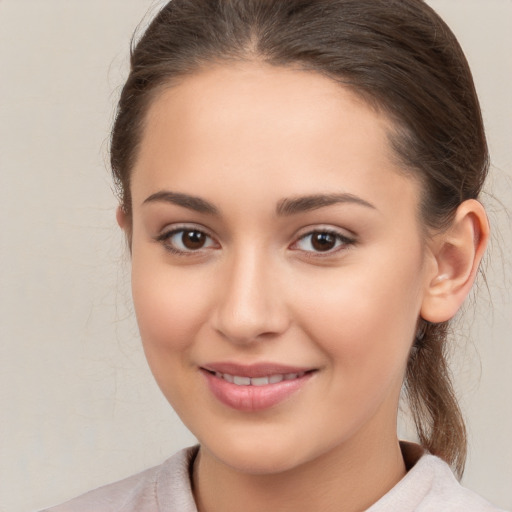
[[352, 476]]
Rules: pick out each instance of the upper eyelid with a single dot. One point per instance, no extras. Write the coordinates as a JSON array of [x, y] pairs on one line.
[[325, 228], [174, 228]]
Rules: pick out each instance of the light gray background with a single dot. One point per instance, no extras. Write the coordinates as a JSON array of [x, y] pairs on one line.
[[78, 405]]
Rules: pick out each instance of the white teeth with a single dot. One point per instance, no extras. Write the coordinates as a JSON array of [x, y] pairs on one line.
[[258, 381], [241, 381]]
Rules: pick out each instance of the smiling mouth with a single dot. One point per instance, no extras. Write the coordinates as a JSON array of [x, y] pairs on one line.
[[262, 387], [240, 380]]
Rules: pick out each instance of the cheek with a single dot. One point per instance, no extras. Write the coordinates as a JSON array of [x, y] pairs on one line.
[[170, 306], [170, 311], [364, 320]]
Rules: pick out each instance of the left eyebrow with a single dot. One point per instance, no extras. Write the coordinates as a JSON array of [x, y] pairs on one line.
[[185, 200], [301, 204]]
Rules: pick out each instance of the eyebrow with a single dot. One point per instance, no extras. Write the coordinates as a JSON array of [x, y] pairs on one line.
[[306, 203], [184, 200], [285, 207]]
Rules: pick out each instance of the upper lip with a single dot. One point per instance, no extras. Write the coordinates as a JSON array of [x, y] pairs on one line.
[[254, 370]]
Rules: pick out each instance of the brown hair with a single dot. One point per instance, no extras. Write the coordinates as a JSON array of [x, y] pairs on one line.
[[401, 58]]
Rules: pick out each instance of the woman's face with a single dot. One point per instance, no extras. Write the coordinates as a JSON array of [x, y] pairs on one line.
[[278, 264]]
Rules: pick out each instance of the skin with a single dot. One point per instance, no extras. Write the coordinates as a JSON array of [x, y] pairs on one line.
[[245, 138]]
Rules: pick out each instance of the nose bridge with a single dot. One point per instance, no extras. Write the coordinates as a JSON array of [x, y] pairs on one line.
[[250, 304]]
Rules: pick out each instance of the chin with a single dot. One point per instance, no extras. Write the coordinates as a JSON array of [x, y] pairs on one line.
[[262, 454], [257, 462]]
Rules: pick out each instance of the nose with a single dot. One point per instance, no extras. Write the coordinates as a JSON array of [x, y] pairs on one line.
[[251, 304]]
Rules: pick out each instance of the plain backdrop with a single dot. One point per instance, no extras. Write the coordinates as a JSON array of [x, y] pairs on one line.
[[78, 405]]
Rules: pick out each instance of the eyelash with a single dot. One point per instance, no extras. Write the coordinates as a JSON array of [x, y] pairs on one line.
[[165, 239], [342, 241]]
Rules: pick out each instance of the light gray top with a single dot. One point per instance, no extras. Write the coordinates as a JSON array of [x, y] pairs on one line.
[[429, 486]]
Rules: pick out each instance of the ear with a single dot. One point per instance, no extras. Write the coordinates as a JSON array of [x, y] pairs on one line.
[[121, 218], [457, 253], [125, 223]]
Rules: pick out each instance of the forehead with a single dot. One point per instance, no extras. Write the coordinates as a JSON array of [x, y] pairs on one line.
[[252, 98], [253, 124]]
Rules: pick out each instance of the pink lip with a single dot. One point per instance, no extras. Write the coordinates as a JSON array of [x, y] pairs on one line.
[[253, 398]]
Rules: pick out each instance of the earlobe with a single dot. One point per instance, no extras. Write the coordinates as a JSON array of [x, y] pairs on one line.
[[457, 251]]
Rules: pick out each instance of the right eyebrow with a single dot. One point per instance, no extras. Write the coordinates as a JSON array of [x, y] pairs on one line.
[[185, 200]]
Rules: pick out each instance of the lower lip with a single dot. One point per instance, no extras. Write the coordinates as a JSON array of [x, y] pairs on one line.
[[253, 398]]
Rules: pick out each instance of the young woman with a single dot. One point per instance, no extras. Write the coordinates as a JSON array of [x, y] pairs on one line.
[[298, 186]]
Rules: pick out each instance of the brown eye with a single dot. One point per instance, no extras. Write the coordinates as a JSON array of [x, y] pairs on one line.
[[323, 241], [183, 240], [193, 240]]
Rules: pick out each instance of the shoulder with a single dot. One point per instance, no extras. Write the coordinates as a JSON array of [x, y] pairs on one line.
[[161, 488], [430, 486], [447, 492]]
